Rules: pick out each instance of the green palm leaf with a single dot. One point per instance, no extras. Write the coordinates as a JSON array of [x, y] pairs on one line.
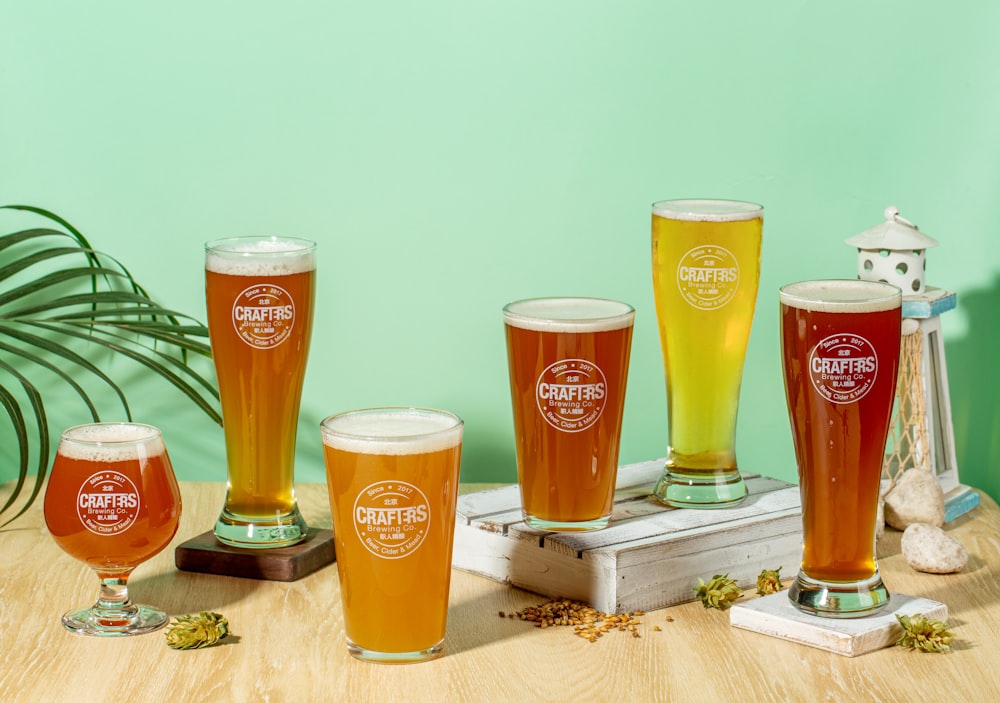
[[65, 309]]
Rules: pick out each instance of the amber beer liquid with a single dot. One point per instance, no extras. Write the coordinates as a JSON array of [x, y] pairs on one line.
[[706, 269], [568, 362], [112, 508], [392, 476], [840, 351], [260, 294]]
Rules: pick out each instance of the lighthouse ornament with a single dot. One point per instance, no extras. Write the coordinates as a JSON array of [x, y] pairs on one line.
[[922, 436]]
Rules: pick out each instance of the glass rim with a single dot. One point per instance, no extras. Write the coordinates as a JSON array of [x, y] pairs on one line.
[[75, 433], [708, 210], [325, 428], [617, 311], [234, 246], [880, 294]]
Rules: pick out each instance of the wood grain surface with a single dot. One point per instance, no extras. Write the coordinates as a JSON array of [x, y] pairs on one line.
[[288, 640]]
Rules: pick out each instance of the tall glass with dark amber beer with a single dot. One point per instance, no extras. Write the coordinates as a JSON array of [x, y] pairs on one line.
[[706, 267], [392, 475], [840, 354], [568, 363], [260, 294]]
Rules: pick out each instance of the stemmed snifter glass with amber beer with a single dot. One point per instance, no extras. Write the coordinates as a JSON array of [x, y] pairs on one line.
[[260, 293], [112, 502], [840, 353], [706, 268]]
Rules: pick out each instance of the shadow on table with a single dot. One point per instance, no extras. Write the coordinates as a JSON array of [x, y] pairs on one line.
[[475, 622]]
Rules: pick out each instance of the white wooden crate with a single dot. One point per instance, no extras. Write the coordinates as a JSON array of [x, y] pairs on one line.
[[650, 556]]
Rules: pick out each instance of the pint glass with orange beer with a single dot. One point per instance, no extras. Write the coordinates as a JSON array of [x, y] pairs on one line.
[[392, 475], [568, 363], [840, 353], [706, 268], [260, 295], [112, 502]]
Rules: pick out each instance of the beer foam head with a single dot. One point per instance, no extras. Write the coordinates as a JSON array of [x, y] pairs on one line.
[[260, 256], [392, 431], [705, 210], [111, 442], [569, 314], [841, 296]]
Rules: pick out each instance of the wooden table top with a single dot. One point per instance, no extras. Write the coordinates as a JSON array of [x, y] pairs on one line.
[[288, 638]]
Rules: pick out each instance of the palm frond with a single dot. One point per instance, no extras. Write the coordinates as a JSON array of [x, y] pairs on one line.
[[65, 310]]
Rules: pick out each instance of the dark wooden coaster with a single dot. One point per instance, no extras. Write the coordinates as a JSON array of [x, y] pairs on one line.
[[205, 554]]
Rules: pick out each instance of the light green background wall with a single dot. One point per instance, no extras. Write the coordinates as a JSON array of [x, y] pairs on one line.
[[450, 156]]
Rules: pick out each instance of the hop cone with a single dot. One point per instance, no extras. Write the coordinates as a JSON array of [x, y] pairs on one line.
[[924, 634], [196, 631], [769, 582], [719, 592]]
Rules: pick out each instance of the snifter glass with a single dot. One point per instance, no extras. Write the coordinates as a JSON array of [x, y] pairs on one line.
[[112, 502], [840, 342], [260, 292], [706, 268]]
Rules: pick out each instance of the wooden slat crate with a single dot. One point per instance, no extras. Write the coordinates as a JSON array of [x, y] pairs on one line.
[[650, 556]]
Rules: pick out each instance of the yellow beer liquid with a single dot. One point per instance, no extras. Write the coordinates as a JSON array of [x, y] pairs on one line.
[[705, 277]]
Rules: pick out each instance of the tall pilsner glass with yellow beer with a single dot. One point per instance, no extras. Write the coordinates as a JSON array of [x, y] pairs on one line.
[[706, 268], [260, 294]]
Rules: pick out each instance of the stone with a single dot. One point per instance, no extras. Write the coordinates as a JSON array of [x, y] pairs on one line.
[[880, 519], [930, 549], [916, 497]]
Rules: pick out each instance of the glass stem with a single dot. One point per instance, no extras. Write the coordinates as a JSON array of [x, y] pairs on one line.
[[113, 601]]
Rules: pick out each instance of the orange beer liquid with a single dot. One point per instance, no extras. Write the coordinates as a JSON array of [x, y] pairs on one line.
[[393, 602], [567, 475], [260, 386], [839, 446], [156, 508], [705, 308]]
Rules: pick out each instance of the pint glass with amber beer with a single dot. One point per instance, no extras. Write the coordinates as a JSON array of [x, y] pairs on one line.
[[392, 475], [706, 267], [840, 354], [260, 294], [112, 502], [568, 363]]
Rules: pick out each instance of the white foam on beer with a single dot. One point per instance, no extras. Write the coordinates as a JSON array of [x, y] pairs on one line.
[[708, 210], [110, 442], [841, 296], [267, 256], [569, 314], [392, 431]]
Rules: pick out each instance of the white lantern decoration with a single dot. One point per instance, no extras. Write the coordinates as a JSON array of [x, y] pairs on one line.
[[893, 252]]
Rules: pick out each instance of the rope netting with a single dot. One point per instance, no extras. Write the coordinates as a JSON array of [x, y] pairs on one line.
[[908, 446]]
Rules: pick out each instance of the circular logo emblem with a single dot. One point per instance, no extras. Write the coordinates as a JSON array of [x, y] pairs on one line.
[[843, 368], [708, 277], [263, 315], [570, 394], [391, 518], [108, 503]]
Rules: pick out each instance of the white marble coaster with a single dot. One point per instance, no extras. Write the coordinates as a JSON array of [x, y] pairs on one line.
[[776, 616]]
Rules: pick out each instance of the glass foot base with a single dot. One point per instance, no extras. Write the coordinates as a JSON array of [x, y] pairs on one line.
[[851, 599], [421, 655], [136, 620], [538, 523], [681, 490], [260, 533]]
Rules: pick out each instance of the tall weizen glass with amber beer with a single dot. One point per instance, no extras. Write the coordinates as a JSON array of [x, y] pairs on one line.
[[568, 363], [392, 475], [840, 354], [706, 268], [260, 293]]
